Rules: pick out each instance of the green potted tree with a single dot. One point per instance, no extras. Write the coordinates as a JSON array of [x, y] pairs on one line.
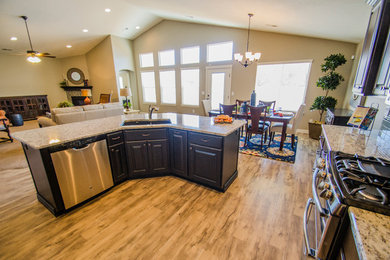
[[328, 82]]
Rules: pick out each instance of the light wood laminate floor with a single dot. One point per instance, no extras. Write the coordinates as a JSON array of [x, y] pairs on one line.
[[258, 217]]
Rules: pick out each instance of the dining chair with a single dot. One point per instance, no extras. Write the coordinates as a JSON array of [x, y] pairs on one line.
[[269, 104], [4, 127], [245, 117], [206, 106], [104, 98], [258, 114], [291, 127], [227, 109]]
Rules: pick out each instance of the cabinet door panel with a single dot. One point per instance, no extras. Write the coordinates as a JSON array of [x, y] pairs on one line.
[[158, 156], [137, 157], [178, 147], [118, 162], [205, 165]]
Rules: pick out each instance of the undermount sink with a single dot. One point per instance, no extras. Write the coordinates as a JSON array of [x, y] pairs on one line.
[[147, 122]]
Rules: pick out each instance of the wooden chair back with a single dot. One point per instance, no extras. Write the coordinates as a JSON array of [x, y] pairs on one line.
[[105, 98], [239, 103], [258, 114], [227, 109], [270, 104]]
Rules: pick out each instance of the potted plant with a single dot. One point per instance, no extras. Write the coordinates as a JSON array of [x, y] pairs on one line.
[[328, 82], [63, 83], [65, 104]]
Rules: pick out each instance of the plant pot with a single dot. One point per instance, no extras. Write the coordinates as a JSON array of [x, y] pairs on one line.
[[315, 130]]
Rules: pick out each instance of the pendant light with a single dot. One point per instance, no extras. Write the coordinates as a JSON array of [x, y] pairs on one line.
[[249, 57]]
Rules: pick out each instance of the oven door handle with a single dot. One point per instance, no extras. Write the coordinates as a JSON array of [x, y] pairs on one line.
[[323, 212], [306, 215]]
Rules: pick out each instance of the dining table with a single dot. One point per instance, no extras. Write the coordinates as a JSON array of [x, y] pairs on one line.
[[271, 117]]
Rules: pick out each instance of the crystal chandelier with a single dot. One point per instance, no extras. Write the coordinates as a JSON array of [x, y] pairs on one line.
[[249, 57]]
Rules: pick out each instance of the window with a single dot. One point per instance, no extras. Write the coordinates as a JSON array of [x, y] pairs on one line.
[[168, 87], [148, 87], [220, 51], [166, 58], [189, 55], [286, 83], [146, 60], [190, 87]]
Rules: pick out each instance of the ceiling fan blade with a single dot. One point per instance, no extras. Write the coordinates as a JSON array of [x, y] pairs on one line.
[[46, 56]]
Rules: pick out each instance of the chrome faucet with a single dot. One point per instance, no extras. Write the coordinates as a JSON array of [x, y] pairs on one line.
[[151, 109]]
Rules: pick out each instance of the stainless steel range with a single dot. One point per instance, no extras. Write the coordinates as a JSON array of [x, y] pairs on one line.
[[341, 180]]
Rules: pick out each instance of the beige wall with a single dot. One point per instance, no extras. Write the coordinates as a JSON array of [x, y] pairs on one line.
[[124, 61], [274, 48], [101, 70], [79, 62], [20, 78]]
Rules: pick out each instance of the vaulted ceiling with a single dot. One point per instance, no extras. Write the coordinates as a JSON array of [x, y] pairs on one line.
[[54, 24]]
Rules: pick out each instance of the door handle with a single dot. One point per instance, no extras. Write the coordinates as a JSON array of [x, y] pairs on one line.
[[115, 138], [145, 134]]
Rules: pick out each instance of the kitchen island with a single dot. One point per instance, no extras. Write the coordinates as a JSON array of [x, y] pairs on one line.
[[73, 163], [370, 230]]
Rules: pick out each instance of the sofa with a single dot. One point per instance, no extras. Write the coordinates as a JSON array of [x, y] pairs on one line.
[[67, 115]]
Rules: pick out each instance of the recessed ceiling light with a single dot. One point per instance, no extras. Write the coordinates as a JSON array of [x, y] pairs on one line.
[[107, 10], [85, 30], [68, 46], [137, 27], [14, 38]]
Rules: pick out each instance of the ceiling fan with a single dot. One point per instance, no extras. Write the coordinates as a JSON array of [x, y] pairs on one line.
[[34, 56]]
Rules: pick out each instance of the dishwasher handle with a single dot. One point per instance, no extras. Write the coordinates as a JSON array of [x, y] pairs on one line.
[[78, 149]]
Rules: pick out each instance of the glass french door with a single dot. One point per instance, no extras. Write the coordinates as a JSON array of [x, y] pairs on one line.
[[218, 84]]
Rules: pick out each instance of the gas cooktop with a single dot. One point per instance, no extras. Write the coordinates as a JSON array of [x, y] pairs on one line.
[[362, 182]]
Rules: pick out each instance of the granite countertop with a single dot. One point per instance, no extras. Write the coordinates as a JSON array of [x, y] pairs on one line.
[[371, 232], [54, 135], [349, 140]]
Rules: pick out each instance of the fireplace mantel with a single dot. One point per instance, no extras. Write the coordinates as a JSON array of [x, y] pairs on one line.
[[75, 88]]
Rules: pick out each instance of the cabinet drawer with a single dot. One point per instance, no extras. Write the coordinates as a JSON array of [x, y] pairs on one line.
[[115, 138], [205, 140], [150, 134]]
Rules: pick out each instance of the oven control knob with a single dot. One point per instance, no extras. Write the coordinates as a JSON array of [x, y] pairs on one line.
[[327, 194], [320, 163]]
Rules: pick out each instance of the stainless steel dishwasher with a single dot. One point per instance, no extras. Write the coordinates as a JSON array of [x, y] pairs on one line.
[[83, 169]]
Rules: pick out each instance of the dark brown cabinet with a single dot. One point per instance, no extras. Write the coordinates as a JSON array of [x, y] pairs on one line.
[[137, 155], [28, 106], [178, 152], [212, 160], [205, 164], [117, 152], [147, 152], [374, 44], [118, 160], [383, 81]]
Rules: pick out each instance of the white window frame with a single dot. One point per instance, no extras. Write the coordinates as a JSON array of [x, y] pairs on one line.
[[220, 61], [140, 60], [142, 89], [159, 78], [310, 61], [181, 55], [174, 58], [181, 87]]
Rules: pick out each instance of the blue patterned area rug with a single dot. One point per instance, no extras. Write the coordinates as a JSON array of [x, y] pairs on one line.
[[270, 151]]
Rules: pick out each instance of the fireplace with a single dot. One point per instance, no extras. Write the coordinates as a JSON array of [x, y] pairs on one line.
[[78, 100]]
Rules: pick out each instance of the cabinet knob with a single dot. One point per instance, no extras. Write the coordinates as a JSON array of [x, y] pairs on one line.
[[150, 145], [190, 147], [144, 144]]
